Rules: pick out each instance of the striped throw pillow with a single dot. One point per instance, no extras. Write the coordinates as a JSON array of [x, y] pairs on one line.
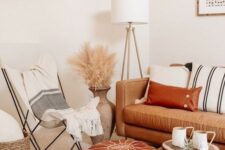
[[212, 80]]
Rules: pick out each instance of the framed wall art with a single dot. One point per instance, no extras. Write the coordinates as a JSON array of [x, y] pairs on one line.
[[210, 7]]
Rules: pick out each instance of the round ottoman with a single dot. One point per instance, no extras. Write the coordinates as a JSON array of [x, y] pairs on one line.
[[122, 145]]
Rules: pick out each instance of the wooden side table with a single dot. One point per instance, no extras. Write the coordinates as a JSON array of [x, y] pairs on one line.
[[167, 145]]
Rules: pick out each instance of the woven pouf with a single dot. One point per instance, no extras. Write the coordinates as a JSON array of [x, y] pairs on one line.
[[23, 144], [122, 145]]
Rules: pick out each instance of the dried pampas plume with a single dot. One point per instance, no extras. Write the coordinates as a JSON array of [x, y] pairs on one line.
[[95, 64]]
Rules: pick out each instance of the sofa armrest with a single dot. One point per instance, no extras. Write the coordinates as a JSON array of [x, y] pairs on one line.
[[126, 93]]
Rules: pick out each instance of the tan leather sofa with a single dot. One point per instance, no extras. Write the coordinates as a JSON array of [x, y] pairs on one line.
[[153, 123]]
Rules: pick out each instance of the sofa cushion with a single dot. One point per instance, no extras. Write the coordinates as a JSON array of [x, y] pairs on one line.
[[212, 80], [174, 76], [173, 97], [164, 119]]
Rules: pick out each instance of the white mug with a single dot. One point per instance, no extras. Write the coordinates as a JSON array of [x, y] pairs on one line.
[[200, 139], [179, 135]]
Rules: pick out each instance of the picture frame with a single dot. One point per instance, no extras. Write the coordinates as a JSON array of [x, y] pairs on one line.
[[210, 7]]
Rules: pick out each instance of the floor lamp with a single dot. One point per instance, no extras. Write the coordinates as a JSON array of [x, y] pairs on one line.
[[131, 12]]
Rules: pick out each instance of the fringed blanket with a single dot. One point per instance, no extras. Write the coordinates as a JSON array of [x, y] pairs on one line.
[[43, 93]]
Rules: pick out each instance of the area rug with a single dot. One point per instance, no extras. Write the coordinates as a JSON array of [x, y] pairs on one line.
[[122, 144]]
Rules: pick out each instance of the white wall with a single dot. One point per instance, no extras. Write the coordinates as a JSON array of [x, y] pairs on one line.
[[60, 27], [178, 35]]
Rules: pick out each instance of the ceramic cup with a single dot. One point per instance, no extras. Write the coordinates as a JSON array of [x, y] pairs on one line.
[[179, 135], [200, 139]]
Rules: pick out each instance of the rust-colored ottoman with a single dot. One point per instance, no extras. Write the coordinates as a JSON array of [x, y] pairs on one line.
[[122, 145]]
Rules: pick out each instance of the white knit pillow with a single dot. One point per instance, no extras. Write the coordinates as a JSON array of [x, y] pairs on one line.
[[172, 76], [212, 80]]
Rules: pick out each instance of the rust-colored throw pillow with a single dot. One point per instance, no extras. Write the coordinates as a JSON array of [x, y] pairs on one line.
[[173, 97]]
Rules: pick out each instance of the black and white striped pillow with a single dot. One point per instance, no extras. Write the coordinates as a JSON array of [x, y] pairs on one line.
[[212, 80]]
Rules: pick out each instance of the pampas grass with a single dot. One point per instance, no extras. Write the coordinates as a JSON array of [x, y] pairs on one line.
[[95, 64]]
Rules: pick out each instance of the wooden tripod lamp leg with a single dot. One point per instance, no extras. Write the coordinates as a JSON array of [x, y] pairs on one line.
[[126, 57], [125, 53], [137, 52], [128, 54]]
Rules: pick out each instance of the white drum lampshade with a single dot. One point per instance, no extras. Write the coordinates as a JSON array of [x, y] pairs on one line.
[[133, 11], [130, 12]]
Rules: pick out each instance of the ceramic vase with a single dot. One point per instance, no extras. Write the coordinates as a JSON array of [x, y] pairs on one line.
[[107, 115]]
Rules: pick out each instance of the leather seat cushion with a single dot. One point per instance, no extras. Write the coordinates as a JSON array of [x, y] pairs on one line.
[[164, 119]]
